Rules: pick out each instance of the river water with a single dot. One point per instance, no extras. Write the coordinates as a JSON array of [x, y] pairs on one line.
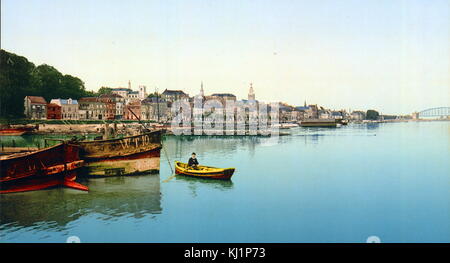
[[346, 184]]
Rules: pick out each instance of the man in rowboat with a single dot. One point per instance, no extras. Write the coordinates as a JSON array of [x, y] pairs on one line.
[[193, 161]]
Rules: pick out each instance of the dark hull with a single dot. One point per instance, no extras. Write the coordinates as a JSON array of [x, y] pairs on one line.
[[318, 123]]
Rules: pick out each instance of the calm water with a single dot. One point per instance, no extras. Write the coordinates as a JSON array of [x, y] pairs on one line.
[[317, 185]]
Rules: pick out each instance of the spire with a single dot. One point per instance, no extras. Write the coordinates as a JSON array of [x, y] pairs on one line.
[[251, 93], [201, 89], [129, 84]]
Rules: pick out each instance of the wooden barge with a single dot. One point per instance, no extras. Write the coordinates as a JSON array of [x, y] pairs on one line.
[[40, 169], [122, 156], [325, 123]]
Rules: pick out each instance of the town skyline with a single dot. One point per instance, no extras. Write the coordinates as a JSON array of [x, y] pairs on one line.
[[380, 55]]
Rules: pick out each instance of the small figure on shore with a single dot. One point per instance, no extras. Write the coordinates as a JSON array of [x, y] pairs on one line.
[[193, 161]]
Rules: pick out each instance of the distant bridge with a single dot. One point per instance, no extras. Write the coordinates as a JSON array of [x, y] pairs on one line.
[[435, 112]]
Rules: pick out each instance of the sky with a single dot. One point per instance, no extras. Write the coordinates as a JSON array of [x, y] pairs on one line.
[[389, 55]]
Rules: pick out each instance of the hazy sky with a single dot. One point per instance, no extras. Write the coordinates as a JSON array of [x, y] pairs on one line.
[[389, 55]]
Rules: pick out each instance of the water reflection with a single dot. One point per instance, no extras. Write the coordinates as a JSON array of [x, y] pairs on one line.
[[181, 147], [223, 185], [135, 196]]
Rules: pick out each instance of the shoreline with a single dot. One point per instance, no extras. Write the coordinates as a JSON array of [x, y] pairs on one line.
[[98, 128]]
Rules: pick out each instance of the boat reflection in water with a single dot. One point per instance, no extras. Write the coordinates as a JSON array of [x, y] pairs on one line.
[[194, 183], [134, 196]]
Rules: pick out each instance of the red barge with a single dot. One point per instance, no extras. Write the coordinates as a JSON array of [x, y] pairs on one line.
[[35, 170], [13, 131]]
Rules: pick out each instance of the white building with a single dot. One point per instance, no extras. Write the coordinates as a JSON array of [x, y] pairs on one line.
[[69, 108], [142, 92]]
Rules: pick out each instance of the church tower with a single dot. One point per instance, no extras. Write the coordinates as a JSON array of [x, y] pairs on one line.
[[251, 93], [202, 93]]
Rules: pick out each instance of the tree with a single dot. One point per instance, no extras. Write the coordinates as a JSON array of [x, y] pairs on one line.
[[154, 95], [104, 90], [20, 78], [372, 115], [16, 82]]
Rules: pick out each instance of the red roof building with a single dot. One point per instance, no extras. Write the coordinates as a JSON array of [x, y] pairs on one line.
[[53, 111]]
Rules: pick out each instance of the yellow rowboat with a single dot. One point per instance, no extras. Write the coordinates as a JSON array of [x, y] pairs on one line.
[[204, 171]]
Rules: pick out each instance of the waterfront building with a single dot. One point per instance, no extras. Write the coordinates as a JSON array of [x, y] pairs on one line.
[[69, 108], [53, 111], [358, 115], [91, 108], [301, 110], [174, 95], [114, 105], [337, 115], [324, 114], [154, 109], [312, 112], [35, 107], [132, 96], [123, 92], [132, 110], [110, 104], [288, 113], [223, 97]]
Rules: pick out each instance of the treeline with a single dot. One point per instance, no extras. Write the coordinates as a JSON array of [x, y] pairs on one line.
[[20, 77]]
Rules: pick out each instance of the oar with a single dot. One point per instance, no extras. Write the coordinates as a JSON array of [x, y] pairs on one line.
[[170, 165], [169, 178]]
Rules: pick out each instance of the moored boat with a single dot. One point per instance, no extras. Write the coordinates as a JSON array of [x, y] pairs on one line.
[[122, 156], [330, 123], [204, 171], [13, 131], [40, 169]]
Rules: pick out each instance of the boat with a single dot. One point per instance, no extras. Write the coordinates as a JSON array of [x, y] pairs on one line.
[[342, 121], [204, 171], [16, 130], [13, 131], [40, 169], [326, 123], [128, 155]]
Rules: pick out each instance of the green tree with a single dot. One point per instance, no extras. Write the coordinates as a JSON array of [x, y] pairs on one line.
[[154, 94], [372, 115], [20, 78], [16, 82], [104, 90]]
